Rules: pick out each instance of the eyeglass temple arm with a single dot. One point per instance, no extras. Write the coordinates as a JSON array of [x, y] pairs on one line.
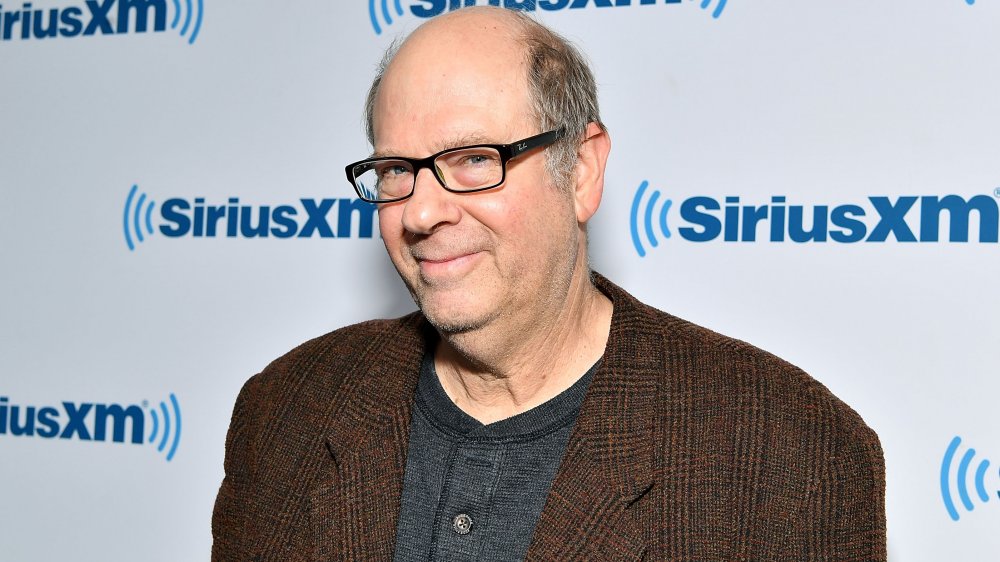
[[536, 141]]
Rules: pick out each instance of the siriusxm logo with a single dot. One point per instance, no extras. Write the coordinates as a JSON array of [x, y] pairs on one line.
[[102, 17], [196, 218], [961, 480], [388, 10], [907, 218], [93, 422]]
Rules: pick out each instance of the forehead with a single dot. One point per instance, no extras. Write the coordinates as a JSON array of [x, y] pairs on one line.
[[457, 78]]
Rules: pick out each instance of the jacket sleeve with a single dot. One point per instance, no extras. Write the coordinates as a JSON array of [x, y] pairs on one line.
[[230, 521], [844, 515]]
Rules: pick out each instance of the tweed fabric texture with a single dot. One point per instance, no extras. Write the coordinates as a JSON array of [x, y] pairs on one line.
[[689, 446]]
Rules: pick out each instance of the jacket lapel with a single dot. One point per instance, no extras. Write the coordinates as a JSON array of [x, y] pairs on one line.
[[362, 488], [597, 507]]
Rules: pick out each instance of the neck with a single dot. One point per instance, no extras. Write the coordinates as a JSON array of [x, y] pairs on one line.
[[500, 371]]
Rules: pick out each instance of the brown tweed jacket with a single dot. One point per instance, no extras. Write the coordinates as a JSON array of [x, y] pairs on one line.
[[689, 446]]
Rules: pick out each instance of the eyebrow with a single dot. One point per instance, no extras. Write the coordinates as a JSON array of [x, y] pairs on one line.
[[467, 139]]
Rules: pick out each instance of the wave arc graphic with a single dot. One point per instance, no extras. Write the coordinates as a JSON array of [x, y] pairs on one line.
[[383, 8], [169, 417], [962, 479], [138, 217]]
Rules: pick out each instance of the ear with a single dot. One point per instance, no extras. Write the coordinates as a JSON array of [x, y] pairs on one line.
[[592, 157]]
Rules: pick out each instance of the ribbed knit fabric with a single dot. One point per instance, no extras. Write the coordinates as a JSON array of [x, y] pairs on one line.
[[689, 446], [496, 476]]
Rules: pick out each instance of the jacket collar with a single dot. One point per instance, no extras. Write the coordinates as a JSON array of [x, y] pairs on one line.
[[591, 509], [363, 491], [591, 512]]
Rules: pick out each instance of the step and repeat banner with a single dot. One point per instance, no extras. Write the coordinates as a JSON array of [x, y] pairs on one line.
[[821, 179]]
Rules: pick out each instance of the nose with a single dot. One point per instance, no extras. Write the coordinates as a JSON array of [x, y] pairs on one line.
[[430, 207]]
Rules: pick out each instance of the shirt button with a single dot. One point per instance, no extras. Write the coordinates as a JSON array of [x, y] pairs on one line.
[[462, 524]]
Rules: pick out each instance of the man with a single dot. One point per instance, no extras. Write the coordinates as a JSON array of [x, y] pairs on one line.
[[531, 409]]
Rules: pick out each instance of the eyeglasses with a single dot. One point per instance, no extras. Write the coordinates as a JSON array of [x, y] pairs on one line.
[[464, 169]]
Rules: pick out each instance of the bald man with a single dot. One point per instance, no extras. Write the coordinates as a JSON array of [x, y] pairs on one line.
[[531, 409]]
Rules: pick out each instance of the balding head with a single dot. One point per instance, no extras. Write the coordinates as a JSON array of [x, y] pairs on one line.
[[559, 87]]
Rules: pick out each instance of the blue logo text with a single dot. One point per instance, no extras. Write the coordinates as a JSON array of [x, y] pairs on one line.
[[880, 218], [101, 17], [86, 421], [198, 218]]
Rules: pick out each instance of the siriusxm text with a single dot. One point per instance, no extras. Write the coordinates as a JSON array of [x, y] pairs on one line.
[[431, 8], [92, 17], [881, 218], [83, 421], [323, 218]]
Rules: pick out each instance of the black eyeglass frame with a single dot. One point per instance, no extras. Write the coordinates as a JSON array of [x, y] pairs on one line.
[[507, 153]]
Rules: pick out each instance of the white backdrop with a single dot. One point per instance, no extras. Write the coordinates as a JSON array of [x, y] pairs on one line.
[[823, 103]]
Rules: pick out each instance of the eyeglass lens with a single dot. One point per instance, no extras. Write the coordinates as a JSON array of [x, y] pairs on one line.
[[464, 169]]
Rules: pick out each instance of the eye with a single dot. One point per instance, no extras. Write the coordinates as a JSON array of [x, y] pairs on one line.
[[476, 160], [392, 170]]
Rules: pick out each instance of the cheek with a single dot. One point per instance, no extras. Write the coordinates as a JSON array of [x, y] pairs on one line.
[[390, 226], [507, 220], [525, 229], [495, 212]]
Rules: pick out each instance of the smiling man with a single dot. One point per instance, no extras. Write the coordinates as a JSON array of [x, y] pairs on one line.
[[531, 409]]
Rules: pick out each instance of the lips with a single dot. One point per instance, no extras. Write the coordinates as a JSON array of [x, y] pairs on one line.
[[437, 253], [434, 265], [443, 259]]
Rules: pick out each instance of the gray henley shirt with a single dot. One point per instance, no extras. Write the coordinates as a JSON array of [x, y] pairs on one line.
[[473, 491]]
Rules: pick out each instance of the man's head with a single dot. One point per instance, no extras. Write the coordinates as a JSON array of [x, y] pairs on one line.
[[508, 256], [562, 91]]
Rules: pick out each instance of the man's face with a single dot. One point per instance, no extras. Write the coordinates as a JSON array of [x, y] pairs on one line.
[[471, 259]]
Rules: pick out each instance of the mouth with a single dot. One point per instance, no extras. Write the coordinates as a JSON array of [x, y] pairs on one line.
[[447, 265]]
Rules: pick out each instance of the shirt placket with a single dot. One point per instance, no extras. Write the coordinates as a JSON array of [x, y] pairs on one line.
[[463, 515]]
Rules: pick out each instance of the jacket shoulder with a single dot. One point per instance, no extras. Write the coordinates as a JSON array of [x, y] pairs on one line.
[[275, 444], [765, 380], [291, 397], [770, 442], [328, 358]]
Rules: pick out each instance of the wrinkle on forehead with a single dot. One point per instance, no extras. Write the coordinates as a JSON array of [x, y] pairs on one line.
[[459, 140], [467, 56]]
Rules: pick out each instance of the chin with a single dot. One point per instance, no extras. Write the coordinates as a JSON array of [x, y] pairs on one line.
[[455, 308], [454, 318], [451, 327]]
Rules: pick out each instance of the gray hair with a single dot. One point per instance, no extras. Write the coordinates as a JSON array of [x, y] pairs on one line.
[[562, 92]]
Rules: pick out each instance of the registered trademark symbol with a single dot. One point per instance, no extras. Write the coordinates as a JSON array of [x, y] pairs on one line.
[[996, 192]]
